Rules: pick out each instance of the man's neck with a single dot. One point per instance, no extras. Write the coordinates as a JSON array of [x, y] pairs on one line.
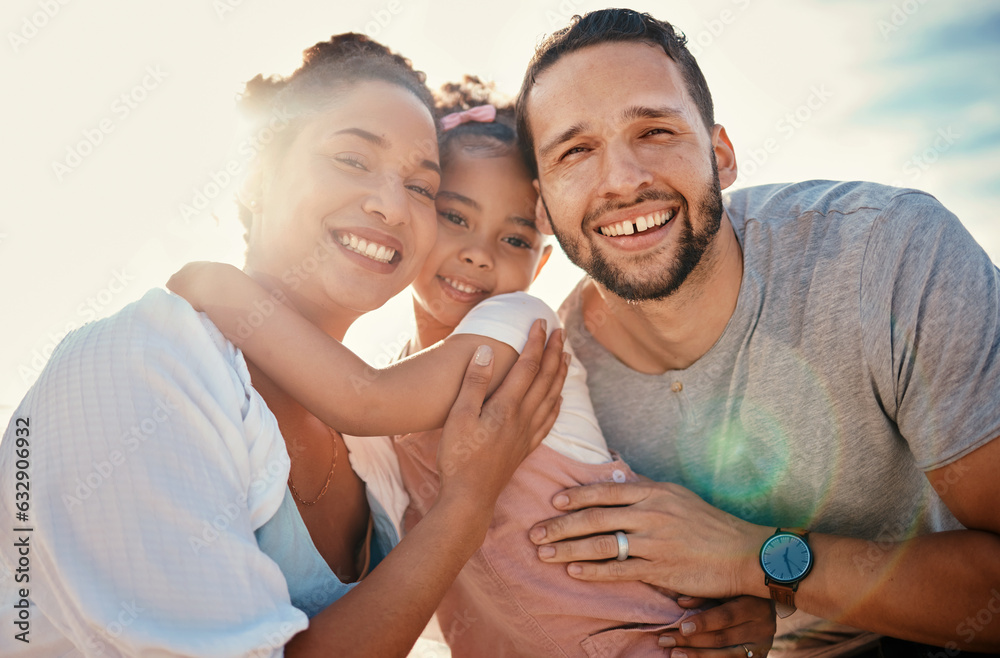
[[671, 334]]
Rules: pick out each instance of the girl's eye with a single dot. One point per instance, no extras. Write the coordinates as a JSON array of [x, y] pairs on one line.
[[422, 190], [518, 242], [352, 161], [453, 217]]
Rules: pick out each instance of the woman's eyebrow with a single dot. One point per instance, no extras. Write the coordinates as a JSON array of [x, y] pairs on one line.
[[385, 144]]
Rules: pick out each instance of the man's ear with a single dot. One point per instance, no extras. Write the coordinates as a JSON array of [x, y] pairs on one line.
[[725, 156], [541, 215], [251, 191], [546, 252]]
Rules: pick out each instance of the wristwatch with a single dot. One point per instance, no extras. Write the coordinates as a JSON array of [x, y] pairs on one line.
[[786, 559]]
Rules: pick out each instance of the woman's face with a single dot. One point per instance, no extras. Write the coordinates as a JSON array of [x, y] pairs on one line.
[[345, 216]]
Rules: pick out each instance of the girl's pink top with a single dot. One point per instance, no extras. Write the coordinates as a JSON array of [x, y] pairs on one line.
[[507, 602]]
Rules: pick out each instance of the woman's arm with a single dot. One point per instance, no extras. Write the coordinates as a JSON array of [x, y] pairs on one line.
[[325, 377], [395, 602]]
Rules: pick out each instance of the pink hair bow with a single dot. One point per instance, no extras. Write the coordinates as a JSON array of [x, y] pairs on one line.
[[480, 113]]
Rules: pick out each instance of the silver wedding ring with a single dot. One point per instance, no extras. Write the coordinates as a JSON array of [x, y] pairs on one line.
[[748, 650], [622, 546]]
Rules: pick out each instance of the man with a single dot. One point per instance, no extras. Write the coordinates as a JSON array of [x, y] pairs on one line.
[[819, 357]]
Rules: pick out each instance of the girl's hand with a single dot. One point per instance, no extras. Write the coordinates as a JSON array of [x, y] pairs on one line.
[[483, 443], [734, 628], [198, 281]]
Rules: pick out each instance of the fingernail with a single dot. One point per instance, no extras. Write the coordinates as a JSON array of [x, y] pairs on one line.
[[574, 569], [567, 357], [562, 500], [484, 355], [545, 326], [677, 653], [684, 598], [546, 551], [667, 641], [537, 534], [687, 627]]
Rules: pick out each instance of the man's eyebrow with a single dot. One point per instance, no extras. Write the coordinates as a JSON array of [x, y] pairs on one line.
[[634, 112], [523, 221], [384, 144], [561, 138], [458, 197]]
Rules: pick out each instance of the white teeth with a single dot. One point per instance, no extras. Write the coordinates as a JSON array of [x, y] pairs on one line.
[[457, 285], [642, 223], [372, 250]]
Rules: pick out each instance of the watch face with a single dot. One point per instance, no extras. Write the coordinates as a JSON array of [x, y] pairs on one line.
[[786, 558]]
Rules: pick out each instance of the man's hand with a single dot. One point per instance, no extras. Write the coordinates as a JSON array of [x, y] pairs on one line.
[[676, 540], [732, 628]]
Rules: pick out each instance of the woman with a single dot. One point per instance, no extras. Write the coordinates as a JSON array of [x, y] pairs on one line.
[[158, 517]]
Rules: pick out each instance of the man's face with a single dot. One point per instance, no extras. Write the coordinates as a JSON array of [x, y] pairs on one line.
[[626, 168]]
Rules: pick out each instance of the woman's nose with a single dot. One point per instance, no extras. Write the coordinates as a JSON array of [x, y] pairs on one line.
[[389, 201]]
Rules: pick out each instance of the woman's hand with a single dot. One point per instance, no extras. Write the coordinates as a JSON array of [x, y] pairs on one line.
[[733, 629], [483, 443], [202, 282]]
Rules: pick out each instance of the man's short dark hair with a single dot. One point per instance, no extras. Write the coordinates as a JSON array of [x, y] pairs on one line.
[[610, 26]]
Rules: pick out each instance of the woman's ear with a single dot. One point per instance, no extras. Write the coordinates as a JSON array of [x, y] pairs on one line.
[[251, 190], [544, 258], [725, 156], [541, 214]]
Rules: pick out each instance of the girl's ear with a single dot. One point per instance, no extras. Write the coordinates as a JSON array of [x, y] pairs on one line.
[[541, 216], [252, 189], [544, 258]]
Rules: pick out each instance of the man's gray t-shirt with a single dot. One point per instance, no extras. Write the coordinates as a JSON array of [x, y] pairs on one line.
[[864, 350]]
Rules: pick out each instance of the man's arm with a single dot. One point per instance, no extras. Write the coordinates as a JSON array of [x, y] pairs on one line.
[[941, 589]]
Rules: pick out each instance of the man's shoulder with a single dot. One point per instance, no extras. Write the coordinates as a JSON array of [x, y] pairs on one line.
[[816, 198]]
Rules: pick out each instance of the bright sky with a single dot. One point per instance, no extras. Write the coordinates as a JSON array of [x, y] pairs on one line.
[[118, 112]]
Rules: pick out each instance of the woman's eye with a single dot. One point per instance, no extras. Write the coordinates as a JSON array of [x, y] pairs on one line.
[[352, 161], [424, 191], [452, 217]]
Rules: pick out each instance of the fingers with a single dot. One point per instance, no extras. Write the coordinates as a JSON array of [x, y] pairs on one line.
[[736, 651], [744, 620], [548, 383], [475, 383], [690, 602], [602, 513]]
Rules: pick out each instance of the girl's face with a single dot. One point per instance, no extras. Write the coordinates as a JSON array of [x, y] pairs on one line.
[[487, 240], [345, 217]]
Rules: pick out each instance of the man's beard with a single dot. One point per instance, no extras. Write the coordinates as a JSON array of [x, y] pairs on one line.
[[691, 246]]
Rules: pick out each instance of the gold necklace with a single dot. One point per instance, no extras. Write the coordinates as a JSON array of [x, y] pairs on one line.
[[329, 476]]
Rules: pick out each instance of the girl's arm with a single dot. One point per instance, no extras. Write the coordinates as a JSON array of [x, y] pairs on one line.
[[325, 377], [385, 613]]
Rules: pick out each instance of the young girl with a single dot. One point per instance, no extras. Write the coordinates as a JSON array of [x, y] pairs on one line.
[[505, 602]]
